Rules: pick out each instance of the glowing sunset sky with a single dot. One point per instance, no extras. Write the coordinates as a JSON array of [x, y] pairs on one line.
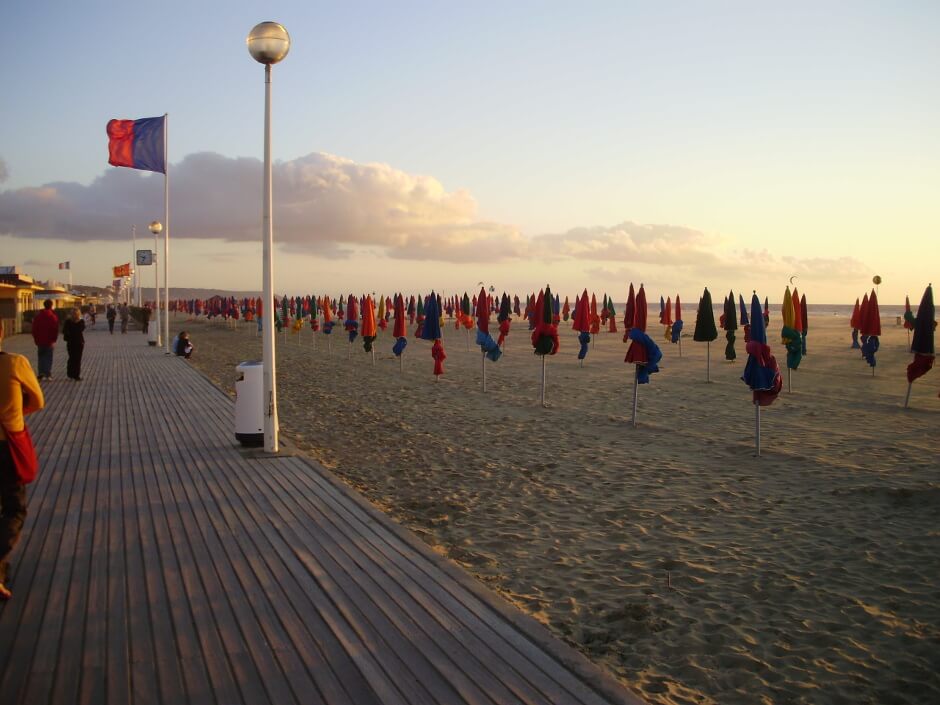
[[419, 145]]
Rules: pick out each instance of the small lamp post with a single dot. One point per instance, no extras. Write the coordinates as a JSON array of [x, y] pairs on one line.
[[268, 43], [156, 227]]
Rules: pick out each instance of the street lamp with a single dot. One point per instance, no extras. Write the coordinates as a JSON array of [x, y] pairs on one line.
[[268, 43], [156, 227]]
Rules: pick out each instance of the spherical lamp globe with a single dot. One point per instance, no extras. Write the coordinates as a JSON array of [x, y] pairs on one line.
[[156, 227], [268, 42]]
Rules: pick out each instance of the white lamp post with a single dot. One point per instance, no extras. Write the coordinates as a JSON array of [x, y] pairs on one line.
[[268, 43], [156, 227]]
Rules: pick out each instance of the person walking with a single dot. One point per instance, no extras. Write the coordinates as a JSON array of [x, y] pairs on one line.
[[74, 336], [45, 333], [125, 314], [111, 315], [20, 394]]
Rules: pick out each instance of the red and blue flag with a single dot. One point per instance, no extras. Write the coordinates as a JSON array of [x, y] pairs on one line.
[[138, 144]]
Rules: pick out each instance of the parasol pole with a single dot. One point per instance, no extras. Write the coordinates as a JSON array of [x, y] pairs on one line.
[[708, 361], [468, 339], [789, 386], [636, 387], [543, 380], [680, 345], [484, 371], [373, 357], [757, 426], [401, 363], [908, 397]]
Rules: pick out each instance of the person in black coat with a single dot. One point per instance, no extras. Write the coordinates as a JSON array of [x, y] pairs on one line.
[[73, 333]]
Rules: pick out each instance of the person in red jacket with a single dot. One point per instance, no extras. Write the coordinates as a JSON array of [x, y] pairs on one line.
[[45, 333]]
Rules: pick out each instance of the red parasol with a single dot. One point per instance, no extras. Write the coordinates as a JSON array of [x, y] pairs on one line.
[[483, 312], [629, 313], [595, 319]]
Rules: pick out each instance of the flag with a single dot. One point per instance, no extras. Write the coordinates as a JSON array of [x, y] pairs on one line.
[[64, 265], [138, 144], [122, 270]]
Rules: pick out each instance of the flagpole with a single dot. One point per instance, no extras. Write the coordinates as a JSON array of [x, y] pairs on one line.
[[135, 282], [166, 234]]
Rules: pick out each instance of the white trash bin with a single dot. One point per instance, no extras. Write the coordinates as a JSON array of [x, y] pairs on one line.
[[249, 407]]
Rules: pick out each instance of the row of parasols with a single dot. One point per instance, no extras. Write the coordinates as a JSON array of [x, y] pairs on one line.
[[544, 312]]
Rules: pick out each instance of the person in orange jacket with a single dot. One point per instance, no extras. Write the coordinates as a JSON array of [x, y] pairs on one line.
[[20, 394]]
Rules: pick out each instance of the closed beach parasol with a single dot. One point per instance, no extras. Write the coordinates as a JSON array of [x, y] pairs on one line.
[[368, 326], [731, 325], [908, 318], [545, 335], [805, 318], [432, 331], [676, 331], [853, 322], [666, 318], [383, 318], [504, 318], [761, 373], [400, 330], [565, 310], [705, 330], [487, 345], [643, 353], [582, 324], [923, 344], [595, 319], [789, 334], [744, 321], [629, 313], [351, 324], [871, 330]]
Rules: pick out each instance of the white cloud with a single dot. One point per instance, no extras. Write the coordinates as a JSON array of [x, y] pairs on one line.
[[321, 202]]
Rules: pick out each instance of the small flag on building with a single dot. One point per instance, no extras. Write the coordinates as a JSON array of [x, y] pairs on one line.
[[64, 265]]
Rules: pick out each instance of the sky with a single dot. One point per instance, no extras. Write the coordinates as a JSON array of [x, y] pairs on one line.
[[419, 145]]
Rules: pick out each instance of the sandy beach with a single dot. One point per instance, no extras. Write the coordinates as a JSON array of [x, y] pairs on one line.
[[668, 553]]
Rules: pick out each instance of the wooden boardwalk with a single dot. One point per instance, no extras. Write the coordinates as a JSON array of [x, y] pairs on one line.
[[161, 563]]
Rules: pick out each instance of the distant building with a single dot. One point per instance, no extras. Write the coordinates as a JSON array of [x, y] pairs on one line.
[[17, 295]]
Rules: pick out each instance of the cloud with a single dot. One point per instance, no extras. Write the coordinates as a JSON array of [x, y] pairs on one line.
[[333, 208], [324, 204]]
